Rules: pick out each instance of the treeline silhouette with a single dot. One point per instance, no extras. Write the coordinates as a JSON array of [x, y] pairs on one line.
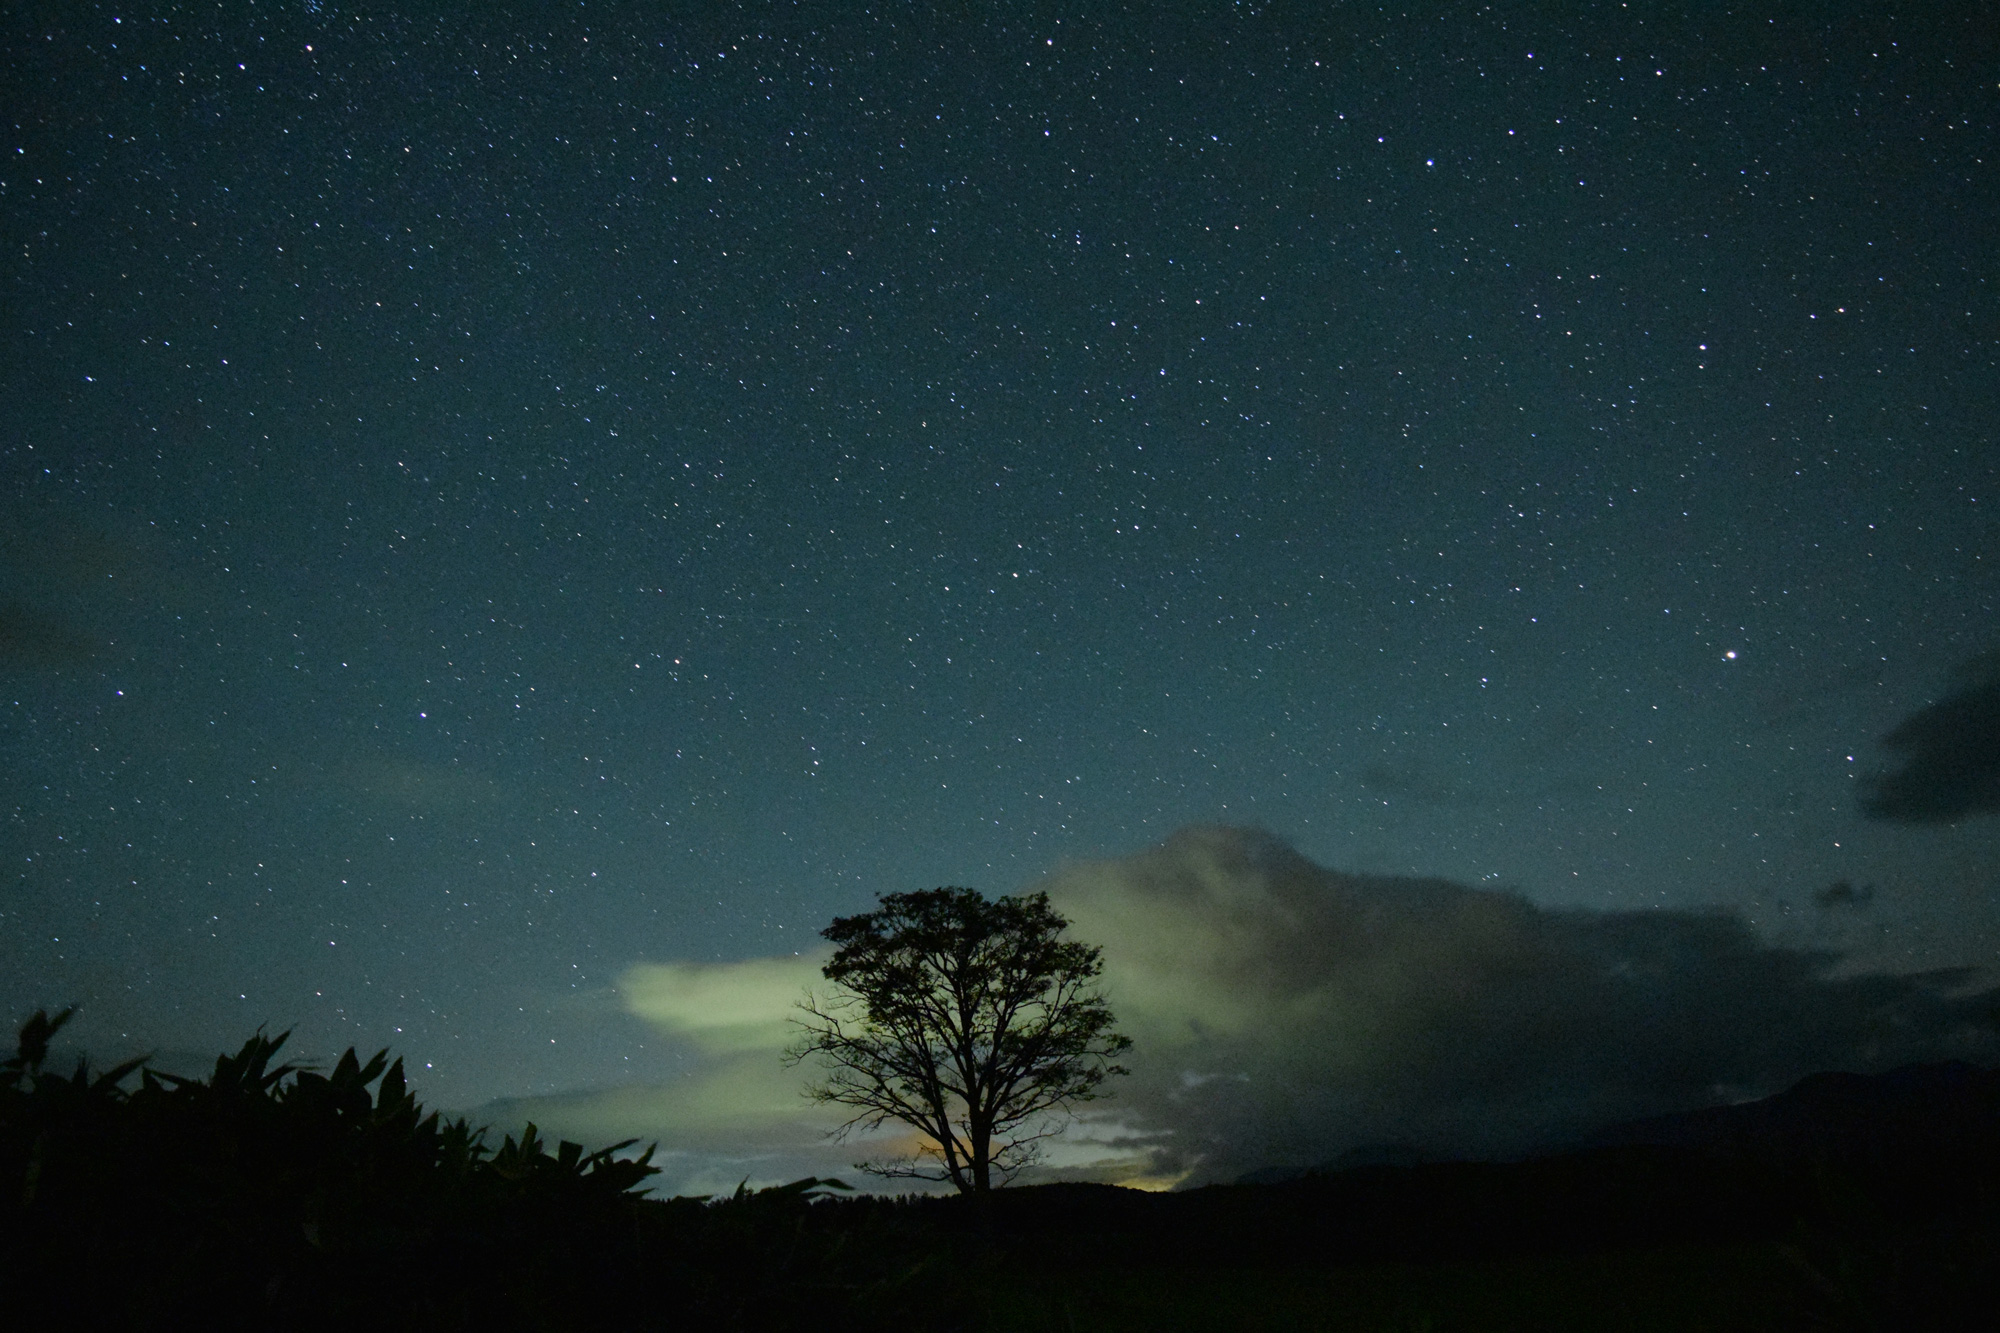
[[274, 1194]]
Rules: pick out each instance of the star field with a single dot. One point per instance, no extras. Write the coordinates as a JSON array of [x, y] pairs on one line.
[[486, 500]]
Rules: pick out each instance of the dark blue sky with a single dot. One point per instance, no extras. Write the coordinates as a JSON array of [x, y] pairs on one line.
[[489, 500]]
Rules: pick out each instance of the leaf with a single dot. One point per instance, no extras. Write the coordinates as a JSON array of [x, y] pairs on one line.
[[33, 1046]]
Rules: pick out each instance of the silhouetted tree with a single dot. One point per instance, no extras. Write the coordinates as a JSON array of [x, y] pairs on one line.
[[972, 1021]]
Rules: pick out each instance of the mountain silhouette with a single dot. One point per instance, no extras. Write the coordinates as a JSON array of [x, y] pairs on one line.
[[1938, 1109]]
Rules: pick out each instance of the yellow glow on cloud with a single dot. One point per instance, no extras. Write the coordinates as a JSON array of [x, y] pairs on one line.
[[737, 1015], [747, 1097], [722, 1007]]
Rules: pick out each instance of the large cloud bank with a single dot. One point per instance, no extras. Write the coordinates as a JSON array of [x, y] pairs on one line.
[[1284, 1013]]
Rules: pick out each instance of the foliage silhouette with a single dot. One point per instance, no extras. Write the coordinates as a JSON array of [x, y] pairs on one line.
[[971, 1021], [269, 1178], [272, 1192]]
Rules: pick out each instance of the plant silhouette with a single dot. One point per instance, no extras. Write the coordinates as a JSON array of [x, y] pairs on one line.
[[274, 1178]]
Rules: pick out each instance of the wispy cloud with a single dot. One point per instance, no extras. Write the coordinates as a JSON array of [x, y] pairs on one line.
[[723, 1007], [1949, 753]]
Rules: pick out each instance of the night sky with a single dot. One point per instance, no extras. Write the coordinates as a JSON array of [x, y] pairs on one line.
[[503, 515]]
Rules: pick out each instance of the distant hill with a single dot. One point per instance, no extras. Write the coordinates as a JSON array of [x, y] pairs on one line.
[[1366, 1155], [1936, 1108], [1940, 1109]]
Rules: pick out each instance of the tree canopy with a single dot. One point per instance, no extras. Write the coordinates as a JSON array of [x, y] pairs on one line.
[[970, 1020]]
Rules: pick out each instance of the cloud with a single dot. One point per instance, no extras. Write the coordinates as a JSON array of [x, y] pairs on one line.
[[71, 588], [738, 1112], [32, 638], [732, 1118], [1284, 1013], [1842, 893], [1950, 755], [723, 1007]]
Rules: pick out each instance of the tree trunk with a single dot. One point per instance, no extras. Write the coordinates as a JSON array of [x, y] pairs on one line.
[[982, 1159]]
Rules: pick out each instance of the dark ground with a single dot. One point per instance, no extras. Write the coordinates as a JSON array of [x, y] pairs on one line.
[[274, 1196]]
